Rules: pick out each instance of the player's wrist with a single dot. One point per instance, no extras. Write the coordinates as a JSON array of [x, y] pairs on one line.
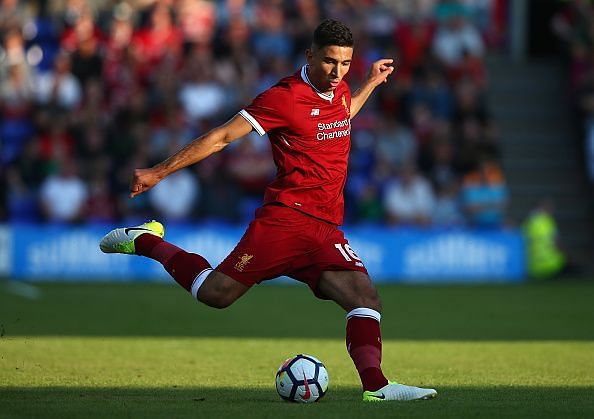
[[160, 171]]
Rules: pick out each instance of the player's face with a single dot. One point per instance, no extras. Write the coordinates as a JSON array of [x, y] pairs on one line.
[[328, 65]]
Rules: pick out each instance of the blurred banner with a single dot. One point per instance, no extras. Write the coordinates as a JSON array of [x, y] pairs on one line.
[[390, 254]]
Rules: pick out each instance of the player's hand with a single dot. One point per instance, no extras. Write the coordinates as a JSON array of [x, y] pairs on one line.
[[379, 71], [143, 180]]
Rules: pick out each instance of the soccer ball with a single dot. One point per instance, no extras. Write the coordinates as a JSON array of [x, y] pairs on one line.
[[302, 379]]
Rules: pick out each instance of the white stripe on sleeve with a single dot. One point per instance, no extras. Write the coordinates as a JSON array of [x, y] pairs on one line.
[[252, 122]]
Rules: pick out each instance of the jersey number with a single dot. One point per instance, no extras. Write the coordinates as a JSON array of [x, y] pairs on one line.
[[347, 253]]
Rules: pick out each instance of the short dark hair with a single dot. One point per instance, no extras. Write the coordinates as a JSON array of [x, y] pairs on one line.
[[332, 32]]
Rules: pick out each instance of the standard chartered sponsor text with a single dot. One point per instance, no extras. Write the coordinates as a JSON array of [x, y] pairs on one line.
[[329, 131]]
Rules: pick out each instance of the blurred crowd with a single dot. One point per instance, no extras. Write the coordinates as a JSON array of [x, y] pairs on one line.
[[90, 90], [574, 26]]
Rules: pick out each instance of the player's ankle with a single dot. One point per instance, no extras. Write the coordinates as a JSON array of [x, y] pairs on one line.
[[145, 243], [373, 379]]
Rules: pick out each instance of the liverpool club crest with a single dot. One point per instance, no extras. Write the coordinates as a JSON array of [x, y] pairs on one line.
[[346, 106], [243, 261]]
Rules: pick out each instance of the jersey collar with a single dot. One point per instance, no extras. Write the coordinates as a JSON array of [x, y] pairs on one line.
[[305, 78]]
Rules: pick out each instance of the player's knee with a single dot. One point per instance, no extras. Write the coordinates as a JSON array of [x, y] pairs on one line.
[[373, 301], [367, 299], [378, 304], [222, 302], [218, 294], [216, 299]]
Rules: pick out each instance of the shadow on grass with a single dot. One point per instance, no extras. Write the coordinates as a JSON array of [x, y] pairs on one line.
[[220, 403]]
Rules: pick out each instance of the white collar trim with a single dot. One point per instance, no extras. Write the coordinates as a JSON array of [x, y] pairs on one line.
[[306, 79]]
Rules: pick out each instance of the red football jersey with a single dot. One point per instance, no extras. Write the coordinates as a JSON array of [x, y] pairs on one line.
[[310, 133]]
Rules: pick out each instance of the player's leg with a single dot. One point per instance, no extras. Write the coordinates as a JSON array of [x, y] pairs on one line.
[[354, 292], [350, 290], [218, 290], [190, 270]]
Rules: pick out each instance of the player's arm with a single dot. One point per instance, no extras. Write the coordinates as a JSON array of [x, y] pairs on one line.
[[378, 74], [202, 147]]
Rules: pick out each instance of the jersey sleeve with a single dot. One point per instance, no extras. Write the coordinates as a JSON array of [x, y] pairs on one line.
[[269, 110]]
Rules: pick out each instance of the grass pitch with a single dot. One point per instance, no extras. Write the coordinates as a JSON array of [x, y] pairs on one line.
[[148, 350]]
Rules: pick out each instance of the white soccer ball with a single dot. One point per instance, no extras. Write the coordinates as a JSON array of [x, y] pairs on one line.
[[302, 379]]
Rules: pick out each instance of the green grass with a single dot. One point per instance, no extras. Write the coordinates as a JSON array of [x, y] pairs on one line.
[[147, 350]]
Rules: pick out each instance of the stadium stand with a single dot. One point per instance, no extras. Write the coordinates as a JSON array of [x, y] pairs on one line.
[[91, 90]]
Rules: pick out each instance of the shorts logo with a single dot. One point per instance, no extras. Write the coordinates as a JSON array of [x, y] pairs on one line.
[[243, 261]]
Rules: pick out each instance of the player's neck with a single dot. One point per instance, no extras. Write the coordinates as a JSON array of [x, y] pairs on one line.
[[327, 95]]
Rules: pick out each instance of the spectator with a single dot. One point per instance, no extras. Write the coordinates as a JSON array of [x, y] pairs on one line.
[[21, 198], [16, 95], [432, 90], [119, 67], [456, 37], [409, 199], [16, 125], [250, 165], [545, 257], [160, 41], [484, 195], [200, 94], [12, 51], [197, 20], [87, 62], [270, 39], [220, 197], [64, 195], [447, 211], [414, 38], [395, 142], [438, 162], [172, 132], [176, 196], [369, 204], [14, 14], [59, 88], [55, 141], [82, 30], [101, 206]]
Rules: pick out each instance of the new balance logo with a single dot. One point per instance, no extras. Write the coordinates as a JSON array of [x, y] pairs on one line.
[[315, 112]]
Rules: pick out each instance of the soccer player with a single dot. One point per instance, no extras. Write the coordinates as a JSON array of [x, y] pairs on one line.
[[307, 117]]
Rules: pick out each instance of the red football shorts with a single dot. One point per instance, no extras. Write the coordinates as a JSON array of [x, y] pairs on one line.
[[283, 241]]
